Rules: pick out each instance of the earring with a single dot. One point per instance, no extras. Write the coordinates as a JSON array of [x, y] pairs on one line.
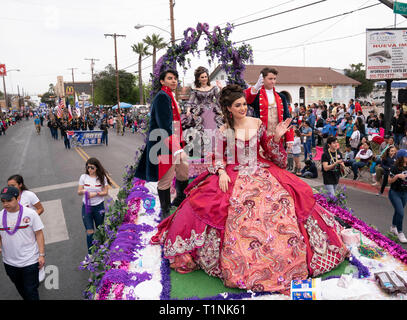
[[230, 115]]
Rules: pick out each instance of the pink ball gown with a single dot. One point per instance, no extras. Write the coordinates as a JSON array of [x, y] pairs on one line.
[[265, 231]]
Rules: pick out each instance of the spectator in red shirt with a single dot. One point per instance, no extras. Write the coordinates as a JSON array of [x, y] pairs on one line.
[[357, 107]]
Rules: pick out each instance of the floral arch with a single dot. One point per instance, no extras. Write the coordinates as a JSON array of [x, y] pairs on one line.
[[218, 46]]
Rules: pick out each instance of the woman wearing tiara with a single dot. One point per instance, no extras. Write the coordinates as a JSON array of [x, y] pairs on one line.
[[247, 220], [203, 112]]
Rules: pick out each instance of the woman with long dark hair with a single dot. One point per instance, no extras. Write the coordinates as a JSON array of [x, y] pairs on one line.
[[398, 193], [247, 220], [203, 111], [26, 198], [93, 187], [387, 161]]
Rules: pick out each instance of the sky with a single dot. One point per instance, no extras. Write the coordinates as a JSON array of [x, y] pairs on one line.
[[46, 38]]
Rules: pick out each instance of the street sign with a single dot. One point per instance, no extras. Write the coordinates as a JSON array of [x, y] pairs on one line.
[[84, 97], [400, 7]]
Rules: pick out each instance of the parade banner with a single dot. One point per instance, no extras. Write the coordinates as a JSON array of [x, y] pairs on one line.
[[386, 53], [85, 138]]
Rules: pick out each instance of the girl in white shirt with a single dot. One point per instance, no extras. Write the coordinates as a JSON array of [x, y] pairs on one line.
[[93, 187], [362, 158], [26, 198], [355, 139]]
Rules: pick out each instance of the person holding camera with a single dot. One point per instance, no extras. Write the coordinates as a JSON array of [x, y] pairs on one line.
[[331, 161]]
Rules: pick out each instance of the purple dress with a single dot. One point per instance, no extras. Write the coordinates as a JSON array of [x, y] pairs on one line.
[[206, 114]]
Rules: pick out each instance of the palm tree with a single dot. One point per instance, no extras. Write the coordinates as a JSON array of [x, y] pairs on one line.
[[142, 50], [157, 43]]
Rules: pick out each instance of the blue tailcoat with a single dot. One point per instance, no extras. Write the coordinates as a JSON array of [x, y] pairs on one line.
[[161, 118]]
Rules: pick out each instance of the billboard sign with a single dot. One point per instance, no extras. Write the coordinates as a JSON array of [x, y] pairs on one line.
[[386, 53]]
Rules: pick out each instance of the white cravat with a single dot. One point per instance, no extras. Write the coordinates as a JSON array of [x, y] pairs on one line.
[[270, 96], [176, 131]]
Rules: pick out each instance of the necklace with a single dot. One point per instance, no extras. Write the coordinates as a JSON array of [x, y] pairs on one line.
[[20, 214], [336, 156]]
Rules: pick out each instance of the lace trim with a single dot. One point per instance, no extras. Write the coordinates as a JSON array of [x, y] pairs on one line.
[[325, 256], [274, 154], [181, 246]]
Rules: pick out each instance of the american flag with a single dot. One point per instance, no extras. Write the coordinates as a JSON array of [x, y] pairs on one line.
[[61, 106]]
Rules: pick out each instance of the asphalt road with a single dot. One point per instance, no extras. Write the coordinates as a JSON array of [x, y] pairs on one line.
[[52, 173]]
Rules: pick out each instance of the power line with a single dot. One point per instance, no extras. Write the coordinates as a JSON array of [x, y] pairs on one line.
[[279, 13], [311, 43], [323, 41], [324, 30], [254, 13], [247, 22], [308, 23]]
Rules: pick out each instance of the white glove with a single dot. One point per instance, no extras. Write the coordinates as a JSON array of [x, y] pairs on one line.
[[259, 83]]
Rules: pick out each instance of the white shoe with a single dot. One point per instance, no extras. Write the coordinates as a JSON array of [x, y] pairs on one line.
[[402, 237], [394, 230]]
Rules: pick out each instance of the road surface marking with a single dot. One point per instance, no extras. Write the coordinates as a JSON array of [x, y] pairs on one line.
[[23, 155], [82, 156], [55, 187], [53, 218], [79, 149]]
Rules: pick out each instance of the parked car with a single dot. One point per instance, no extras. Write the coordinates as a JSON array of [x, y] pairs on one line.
[[379, 100]]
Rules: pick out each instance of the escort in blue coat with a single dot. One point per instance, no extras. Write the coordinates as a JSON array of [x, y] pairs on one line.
[[161, 118]]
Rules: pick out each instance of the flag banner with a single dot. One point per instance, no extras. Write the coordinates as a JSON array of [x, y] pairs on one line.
[[60, 108], [3, 71], [78, 111], [69, 113], [85, 138]]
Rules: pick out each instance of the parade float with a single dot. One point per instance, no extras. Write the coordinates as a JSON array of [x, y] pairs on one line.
[[123, 265]]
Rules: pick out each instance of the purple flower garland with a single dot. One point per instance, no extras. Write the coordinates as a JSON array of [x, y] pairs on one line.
[[165, 278], [393, 248], [232, 59], [127, 241]]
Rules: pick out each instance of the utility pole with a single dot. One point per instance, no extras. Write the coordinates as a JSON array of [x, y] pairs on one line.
[[5, 92], [18, 91], [172, 4], [92, 64], [73, 83], [388, 106], [114, 35]]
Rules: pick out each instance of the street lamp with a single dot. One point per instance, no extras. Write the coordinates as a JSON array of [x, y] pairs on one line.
[[139, 26]]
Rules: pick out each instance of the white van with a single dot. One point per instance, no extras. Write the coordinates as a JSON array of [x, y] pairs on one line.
[[379, 100]]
